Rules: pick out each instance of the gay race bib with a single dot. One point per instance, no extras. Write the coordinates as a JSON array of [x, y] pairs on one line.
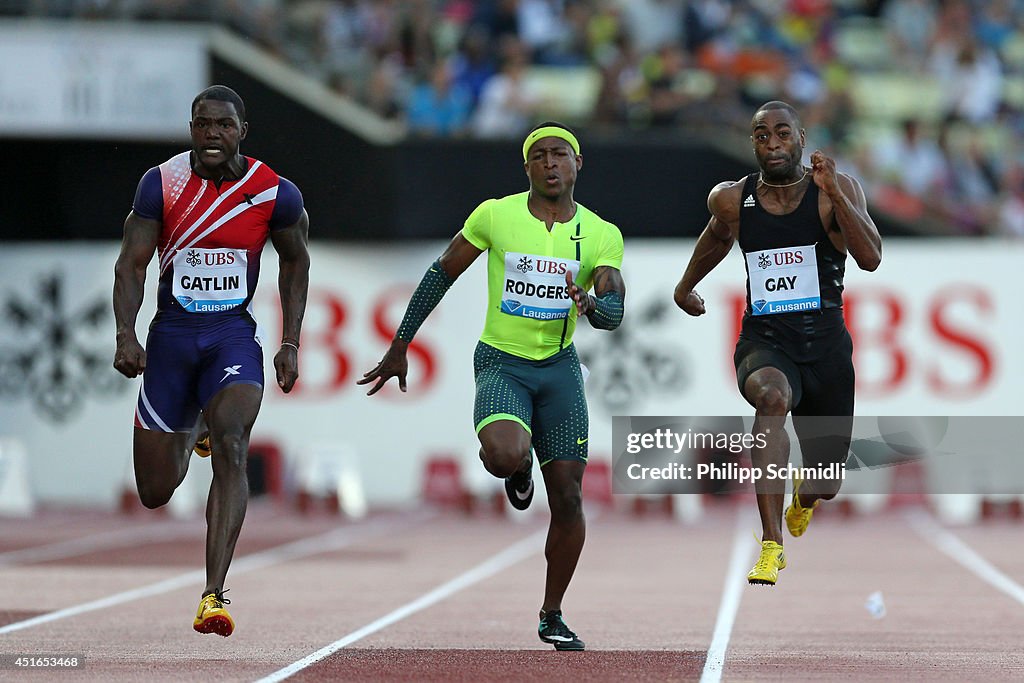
[[209, 280], [783, 280], [535, 286]]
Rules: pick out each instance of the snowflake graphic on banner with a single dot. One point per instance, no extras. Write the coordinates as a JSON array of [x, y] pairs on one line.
[[57, 355], [632, 365]]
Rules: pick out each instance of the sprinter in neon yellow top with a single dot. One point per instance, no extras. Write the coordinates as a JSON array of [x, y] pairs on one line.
[[545, 252], [529, 312]]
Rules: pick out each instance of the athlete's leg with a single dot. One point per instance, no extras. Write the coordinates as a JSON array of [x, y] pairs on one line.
[[502, 412], [161, 462], [568, 528], [769, 391], [824, 441], [560, 438], [230, 416], [824, 419], [165, 413], [505, 448]]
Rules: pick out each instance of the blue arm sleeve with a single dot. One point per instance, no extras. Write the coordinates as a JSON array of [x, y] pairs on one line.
[[149, 196], [287, 206]]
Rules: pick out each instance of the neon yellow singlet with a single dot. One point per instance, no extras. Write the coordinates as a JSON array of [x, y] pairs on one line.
[[529, 312]]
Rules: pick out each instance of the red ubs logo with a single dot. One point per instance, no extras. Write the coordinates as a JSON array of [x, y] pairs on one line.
[[550, 267], [220, 259], [789, 258]]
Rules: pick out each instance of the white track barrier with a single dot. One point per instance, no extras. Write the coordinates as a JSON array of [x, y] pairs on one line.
[[16, 499], [687, 507], [326, 469]]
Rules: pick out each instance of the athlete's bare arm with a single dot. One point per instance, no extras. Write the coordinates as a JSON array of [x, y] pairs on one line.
[[844, 202], [457, 257], [137, 248], [712, 245], [291, 244]]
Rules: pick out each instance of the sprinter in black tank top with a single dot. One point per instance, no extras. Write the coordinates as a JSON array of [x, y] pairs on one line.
[[795, 226]]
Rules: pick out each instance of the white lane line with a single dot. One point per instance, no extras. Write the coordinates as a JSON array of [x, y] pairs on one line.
[[735, 582], [503, 560], [101, 541], [931, 531], [316, 545]]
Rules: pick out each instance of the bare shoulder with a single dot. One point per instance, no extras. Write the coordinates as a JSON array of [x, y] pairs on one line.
[[724, 199]]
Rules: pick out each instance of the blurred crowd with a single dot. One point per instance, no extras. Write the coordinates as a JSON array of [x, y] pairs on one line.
[[478, 68]]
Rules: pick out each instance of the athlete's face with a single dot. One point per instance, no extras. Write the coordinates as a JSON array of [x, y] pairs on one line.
[[552, 165], [778, 144], [217, 131]]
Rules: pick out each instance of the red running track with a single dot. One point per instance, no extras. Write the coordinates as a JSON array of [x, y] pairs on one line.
[[419, 596]]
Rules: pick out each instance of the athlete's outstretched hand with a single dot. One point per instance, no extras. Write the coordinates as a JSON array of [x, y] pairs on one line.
[[130, 357], [585, 303], [286, 363], [694, 304], [823, 169], [393, 364]]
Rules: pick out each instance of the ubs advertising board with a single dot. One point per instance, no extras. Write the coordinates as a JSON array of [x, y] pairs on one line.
[[937, 331]]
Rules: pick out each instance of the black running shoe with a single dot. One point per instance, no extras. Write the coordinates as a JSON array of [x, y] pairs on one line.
[[553, 630], [519, 488]]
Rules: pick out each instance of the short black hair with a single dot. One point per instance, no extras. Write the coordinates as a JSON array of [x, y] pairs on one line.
[[221, 93], [778, 104], [556, 124]]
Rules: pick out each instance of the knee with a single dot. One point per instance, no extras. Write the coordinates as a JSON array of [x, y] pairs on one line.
[[502, 460], [566, 505], [154, 496], [233, 451], [773, 400], [827, 488]]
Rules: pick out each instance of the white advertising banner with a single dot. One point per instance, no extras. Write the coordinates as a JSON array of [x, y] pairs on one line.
[[937, 331], [99, 80]]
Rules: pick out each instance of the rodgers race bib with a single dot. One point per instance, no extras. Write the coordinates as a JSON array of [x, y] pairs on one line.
[[209, 280], [783, 280], [535, 286]]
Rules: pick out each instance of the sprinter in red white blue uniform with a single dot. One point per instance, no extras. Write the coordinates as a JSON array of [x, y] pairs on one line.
[[207, 214]]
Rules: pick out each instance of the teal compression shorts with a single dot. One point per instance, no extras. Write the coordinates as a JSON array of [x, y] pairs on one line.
[[544, 396]]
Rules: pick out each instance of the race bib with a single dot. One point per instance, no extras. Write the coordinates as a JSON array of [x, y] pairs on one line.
[[783, 280], [209, 280], [535, 286]]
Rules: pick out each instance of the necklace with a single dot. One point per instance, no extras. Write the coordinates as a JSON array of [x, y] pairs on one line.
[[762, 180]]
